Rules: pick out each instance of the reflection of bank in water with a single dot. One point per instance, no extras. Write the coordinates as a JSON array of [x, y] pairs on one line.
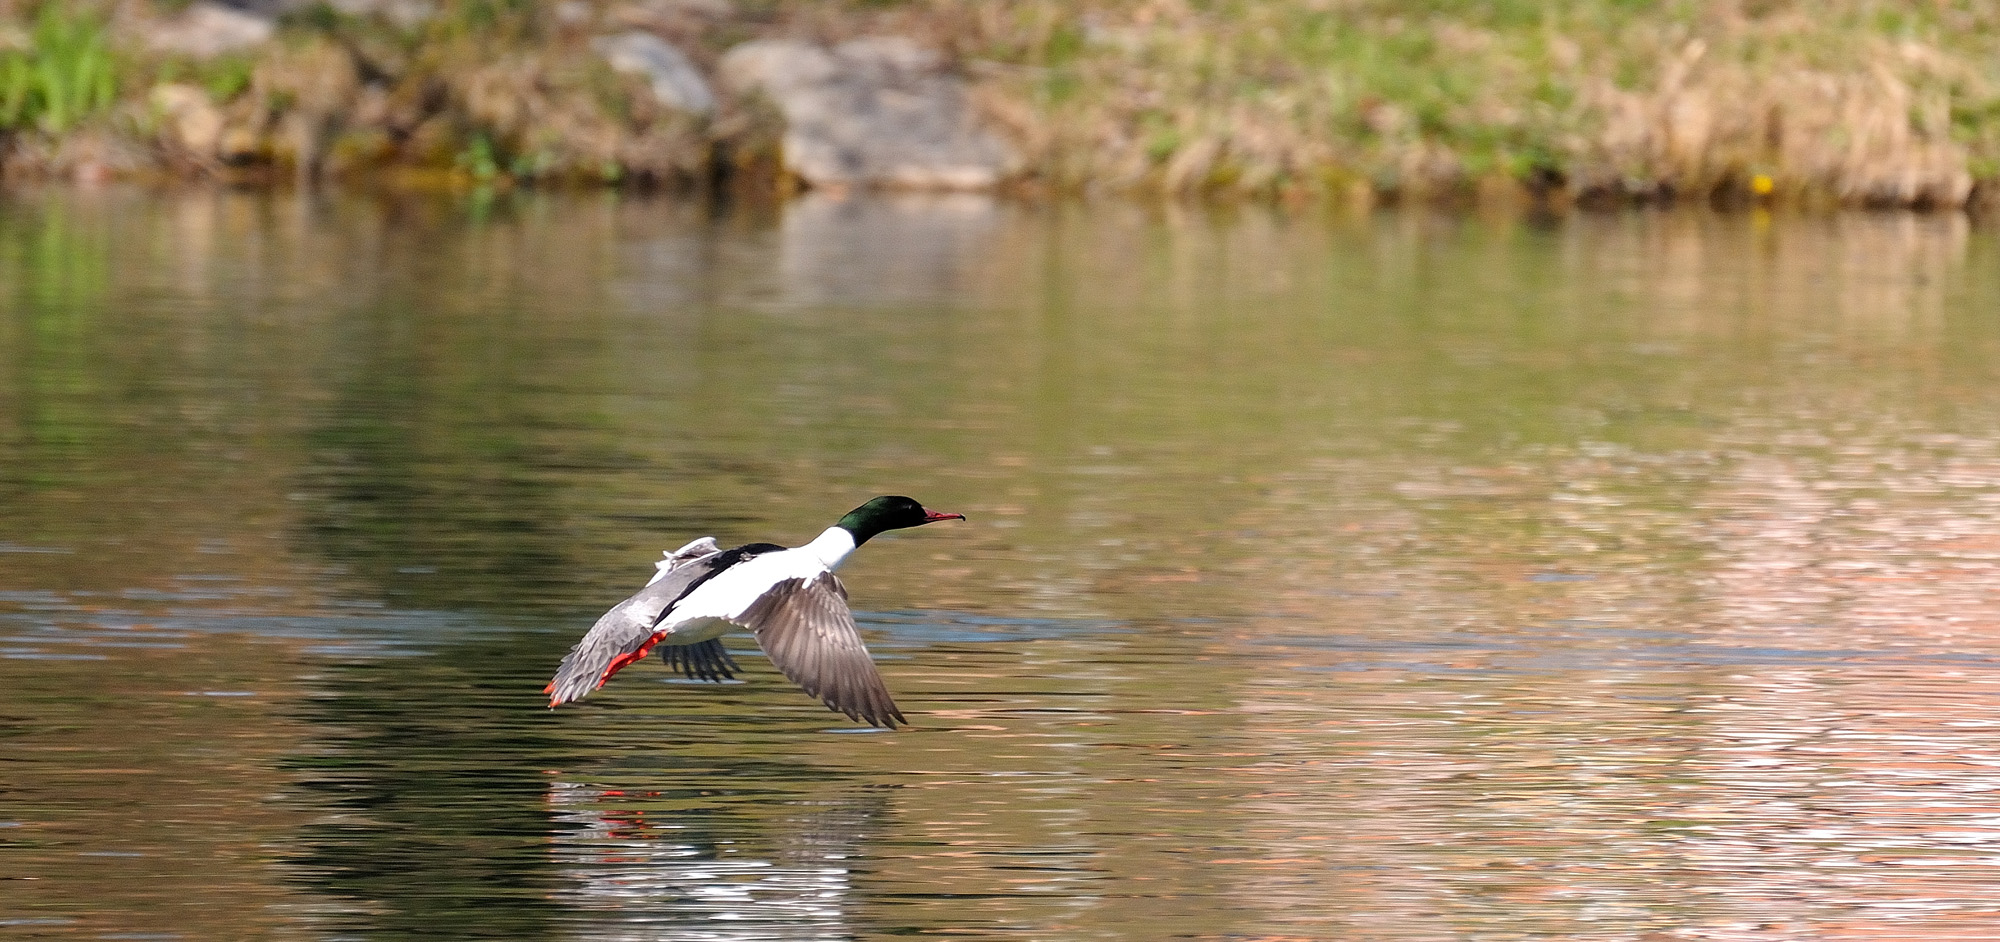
[[637, 862]]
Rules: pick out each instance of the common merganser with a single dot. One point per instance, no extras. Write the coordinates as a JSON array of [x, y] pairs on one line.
[[788, 598]]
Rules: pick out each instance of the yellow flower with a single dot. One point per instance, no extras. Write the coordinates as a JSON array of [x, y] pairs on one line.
[[1761, 184]]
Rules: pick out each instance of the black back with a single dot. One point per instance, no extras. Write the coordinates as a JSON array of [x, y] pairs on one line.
[[716, 565]]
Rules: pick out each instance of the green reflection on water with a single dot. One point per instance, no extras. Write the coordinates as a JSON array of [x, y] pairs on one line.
[[430, 815]]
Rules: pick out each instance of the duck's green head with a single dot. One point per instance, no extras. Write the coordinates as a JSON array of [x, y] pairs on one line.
[[889, 513]]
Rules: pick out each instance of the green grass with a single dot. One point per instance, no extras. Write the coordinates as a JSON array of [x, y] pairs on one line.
[[65, 75]]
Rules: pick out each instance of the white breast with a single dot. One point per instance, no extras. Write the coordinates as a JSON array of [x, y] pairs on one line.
[[725, 597]]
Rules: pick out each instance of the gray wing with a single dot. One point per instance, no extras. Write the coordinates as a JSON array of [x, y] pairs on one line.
[[808, 632], [625, 633]]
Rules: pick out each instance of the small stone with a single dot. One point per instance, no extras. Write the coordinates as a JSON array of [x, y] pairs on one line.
[[206, 29], [408, 14], [240, 145], [676, 82], [670, 13], [194, 122]]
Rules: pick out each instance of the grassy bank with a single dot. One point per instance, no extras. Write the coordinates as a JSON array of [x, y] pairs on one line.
[[1828, 102], [1852, 101]]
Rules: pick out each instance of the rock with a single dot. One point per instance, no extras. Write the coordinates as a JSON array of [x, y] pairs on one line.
[[268, 9], [407, 14], [85, 156], [671, 17], [321, 80], [877, 111], [241, 145], [677, 84], [207, 29], [668, 9], [191, 120]]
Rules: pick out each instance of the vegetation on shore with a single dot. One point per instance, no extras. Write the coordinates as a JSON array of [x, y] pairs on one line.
[[1806, 101]]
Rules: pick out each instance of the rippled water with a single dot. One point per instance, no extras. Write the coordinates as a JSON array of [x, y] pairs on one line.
[[1327, 577]]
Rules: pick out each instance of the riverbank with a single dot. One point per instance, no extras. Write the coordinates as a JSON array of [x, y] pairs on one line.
[[1845, 102]]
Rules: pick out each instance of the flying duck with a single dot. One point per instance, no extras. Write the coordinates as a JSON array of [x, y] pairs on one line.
[[787, 598]]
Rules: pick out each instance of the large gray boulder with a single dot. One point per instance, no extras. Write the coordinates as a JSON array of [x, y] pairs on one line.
[[880, 111], [676, 82]]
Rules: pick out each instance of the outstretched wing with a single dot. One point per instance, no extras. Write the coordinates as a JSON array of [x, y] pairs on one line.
[[805, 627], [628, 630]]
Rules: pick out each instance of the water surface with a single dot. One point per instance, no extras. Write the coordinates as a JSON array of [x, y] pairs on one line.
[[1395, 576]]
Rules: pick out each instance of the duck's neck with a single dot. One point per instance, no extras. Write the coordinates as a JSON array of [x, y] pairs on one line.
[[831, 546]]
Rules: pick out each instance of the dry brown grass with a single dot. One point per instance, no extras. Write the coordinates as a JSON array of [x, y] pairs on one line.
[[1853, 101]]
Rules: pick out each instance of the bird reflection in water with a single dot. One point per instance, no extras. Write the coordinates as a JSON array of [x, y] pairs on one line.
[[747, 867]]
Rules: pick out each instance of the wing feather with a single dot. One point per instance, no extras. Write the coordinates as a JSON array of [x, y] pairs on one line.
[[628, 631], [704, 660], [808, 632]]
